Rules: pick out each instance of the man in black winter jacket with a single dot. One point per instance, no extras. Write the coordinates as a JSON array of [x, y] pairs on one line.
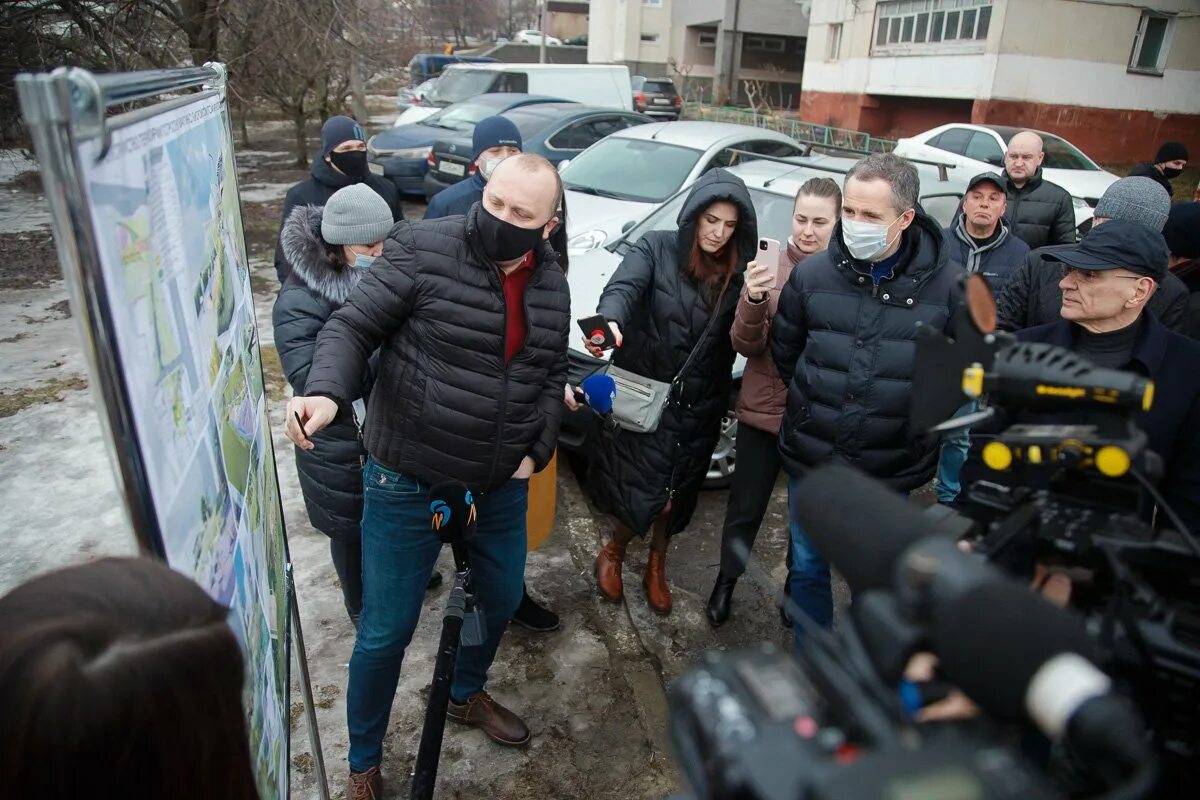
[[1040, 212], [980, 238], [472, 314], [844, 338], [1031, 295], [341, 162], [1169, 163]]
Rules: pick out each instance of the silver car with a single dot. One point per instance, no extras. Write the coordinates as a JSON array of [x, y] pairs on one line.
[[617, 181], [773, 185]]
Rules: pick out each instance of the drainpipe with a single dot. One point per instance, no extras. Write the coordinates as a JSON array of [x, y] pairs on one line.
[[733, 53]]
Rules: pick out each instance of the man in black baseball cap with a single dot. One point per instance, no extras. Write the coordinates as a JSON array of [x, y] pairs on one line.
[[1106, 282], [980, 238]]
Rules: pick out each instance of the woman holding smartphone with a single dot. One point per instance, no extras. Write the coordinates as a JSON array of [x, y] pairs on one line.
[[763, 396], [671, 304]]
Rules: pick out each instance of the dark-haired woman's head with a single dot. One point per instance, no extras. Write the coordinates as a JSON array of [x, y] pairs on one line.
[[714, 251], [817, 209], [120, 678]]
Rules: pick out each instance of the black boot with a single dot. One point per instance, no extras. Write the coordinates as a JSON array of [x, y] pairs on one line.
[[435, 580], [720, 601], [534, 617]]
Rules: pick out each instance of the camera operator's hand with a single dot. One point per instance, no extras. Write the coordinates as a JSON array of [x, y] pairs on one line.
[[955, 705], [1054, 586], [314, 412]]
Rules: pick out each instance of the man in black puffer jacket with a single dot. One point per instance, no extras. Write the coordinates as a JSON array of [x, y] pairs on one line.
[[844, 339], [472, 314], [1040, 212], [342, 162]]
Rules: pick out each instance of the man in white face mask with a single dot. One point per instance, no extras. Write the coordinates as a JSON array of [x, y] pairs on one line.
[[843, 340], [495, 139]]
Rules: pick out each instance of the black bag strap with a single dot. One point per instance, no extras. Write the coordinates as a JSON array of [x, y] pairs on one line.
[[712, 320]]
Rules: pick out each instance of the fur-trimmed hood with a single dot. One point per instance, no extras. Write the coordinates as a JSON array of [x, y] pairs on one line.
[[309, 257]]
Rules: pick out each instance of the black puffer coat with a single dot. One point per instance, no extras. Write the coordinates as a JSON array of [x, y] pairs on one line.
[[445, 406], [845, 349], [662, 314], [316, 191], [1040, 212], [331, 473], [1031, 295]]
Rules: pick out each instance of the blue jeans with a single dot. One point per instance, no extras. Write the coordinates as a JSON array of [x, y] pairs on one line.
[[955, 447], [808, 576], [399, 553]]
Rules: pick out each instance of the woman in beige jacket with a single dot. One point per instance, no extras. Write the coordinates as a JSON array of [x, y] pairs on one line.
[[763, 396]]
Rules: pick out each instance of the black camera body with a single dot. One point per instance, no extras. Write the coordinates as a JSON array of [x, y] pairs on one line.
[[753, 724]]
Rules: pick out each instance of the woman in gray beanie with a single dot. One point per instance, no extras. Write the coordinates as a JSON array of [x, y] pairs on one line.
[[328, 249]]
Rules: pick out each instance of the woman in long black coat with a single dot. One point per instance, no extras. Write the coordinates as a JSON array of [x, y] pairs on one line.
[[328, 250], [660, 301]]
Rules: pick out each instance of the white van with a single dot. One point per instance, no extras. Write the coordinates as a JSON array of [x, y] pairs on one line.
[[604, 85]]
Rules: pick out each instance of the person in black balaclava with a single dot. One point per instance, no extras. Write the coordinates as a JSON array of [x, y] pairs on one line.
[[1168, 164], [341, 162]]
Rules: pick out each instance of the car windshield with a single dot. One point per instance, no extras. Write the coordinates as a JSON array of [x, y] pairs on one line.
[[774, 213], [461, 117], [1060, 154], [641, 170], [456, 85]]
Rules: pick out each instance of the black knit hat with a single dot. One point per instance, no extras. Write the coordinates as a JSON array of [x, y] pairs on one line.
[[1171, 151], [1183, 230]]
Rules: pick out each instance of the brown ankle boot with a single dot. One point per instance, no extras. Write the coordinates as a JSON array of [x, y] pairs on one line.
[[608, 571], [658, 593]]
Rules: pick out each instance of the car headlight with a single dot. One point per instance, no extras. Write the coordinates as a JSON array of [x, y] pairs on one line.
[[406, 152], [583, 242], [1079, 202]]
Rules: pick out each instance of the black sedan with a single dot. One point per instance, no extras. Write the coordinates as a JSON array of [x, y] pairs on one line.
[[558, 131]]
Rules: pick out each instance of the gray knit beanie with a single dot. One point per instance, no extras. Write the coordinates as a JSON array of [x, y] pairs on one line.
[[1136, 200], [356, 215]]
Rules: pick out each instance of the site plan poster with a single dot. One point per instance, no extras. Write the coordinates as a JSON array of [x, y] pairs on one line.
[[168, 227]]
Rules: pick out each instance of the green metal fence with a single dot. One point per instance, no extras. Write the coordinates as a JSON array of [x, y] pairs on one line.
[[797, 129]]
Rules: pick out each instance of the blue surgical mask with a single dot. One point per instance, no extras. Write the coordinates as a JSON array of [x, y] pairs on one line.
[[362, 262], [866, 240]]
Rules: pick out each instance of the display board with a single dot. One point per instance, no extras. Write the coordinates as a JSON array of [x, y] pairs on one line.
[[167, 230]]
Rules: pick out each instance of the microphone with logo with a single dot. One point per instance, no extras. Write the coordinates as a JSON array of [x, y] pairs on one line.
[[599, 391], [453, 518]]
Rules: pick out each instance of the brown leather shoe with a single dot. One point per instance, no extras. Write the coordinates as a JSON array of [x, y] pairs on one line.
[[365, 785], [608, 571], [658, 593], [500, 724]]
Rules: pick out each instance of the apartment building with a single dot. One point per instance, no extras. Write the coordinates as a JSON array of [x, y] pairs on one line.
[[1114, 77], [710, 47]]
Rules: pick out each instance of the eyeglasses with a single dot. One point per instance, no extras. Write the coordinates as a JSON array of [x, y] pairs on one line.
[[1094, 275]]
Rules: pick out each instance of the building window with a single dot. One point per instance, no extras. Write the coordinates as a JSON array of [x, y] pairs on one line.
[[910, 22], [1151, 44], [835, 42], [649, 38], [652, 3], [706, 39], [769, 44]]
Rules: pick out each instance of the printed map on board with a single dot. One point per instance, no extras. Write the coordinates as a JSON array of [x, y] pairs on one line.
[[168, 225]]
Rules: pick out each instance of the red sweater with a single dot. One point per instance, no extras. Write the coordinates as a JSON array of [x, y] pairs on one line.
[[514, 284]]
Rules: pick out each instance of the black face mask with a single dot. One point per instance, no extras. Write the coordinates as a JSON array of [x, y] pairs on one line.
[[1170, 173], [352, 163], [503, 241]]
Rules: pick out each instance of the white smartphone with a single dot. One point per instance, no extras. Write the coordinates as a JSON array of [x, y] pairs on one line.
[[768, 255]]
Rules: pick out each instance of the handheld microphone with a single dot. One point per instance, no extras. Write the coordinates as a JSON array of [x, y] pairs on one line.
[[599, 391], [452, 512]]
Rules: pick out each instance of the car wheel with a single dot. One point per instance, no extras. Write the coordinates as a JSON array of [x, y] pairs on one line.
[[724, 457]]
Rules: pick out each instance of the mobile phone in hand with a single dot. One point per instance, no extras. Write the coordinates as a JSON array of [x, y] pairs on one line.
[[768, 256], [598, 332]]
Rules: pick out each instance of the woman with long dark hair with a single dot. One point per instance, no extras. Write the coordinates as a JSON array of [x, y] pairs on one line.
[[671, 304], [120, 678]]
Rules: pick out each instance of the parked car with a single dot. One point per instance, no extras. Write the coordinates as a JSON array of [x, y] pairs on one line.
[[578, 41], [535, 37], [557, 131], [605, 85], [656, 97], [409, 96], [980, 148], [402, 152], [424, 66], [617, 181], [773, 184]]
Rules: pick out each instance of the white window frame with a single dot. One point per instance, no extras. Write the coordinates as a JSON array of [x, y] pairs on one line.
[[766, 44], [894, 14], [700, 39], [833, 42], [652, 3], [1161, 63], [651, 38]]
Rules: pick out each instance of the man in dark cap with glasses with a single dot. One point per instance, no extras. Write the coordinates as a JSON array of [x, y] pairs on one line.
[[1106, 283]]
